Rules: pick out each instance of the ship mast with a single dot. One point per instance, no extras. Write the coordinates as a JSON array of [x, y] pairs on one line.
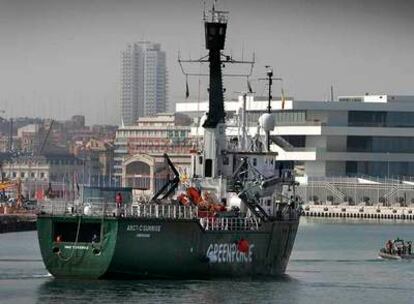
[[215, 25], [267, 118], [210, 160]]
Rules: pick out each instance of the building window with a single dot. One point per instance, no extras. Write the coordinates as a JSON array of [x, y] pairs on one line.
[[381, 119], [380, 144], [379, 169], [297, 141]]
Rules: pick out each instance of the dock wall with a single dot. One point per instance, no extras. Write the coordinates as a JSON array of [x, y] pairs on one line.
[[15, 223], [362, 212]]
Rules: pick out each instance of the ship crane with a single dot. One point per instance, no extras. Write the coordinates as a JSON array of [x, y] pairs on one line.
[[171, 185]]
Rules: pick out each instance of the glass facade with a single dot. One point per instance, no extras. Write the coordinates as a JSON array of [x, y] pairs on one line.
[[380, 169], [298, 141], [381, 119], [380, 144], [290, 117], [282, 118]]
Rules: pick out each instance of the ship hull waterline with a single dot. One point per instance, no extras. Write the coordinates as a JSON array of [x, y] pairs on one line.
[[160, 248]]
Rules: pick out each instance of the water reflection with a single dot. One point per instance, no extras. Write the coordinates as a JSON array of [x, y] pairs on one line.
[[156, 291]]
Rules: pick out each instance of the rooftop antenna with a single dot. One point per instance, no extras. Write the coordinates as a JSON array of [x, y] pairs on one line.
[[10, 143]]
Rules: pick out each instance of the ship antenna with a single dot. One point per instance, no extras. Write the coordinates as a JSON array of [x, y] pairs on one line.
[[269, 79], [269, 74]]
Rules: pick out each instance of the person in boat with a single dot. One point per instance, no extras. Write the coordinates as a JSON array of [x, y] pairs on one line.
[[409, 248], [389, 246], [404, 248]]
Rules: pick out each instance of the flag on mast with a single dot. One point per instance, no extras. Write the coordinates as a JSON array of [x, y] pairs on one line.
[[187, 91], [249, 86], [283, 99]]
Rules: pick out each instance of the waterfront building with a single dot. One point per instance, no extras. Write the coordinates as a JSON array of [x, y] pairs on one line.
[[29, 137], [38, 172], [98, 157], [4, 143], [351, 136], [139, 149], [143, 81]]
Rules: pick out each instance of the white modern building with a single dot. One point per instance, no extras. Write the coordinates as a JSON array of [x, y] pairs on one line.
[[143, 81], [355, 135]]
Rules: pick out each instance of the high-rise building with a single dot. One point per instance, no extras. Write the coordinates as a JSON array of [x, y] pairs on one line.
[[143, 81]]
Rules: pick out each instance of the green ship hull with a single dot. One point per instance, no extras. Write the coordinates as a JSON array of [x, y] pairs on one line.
[[130, 247]]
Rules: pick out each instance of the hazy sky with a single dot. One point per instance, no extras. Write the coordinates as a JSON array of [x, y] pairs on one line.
[[62, 57]]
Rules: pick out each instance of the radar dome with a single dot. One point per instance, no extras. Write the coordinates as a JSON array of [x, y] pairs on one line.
[[267, 122]]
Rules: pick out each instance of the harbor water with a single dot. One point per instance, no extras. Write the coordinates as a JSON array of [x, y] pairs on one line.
[[334, 261]]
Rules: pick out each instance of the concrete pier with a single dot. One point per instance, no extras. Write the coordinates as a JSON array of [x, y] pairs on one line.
[[362, 212]]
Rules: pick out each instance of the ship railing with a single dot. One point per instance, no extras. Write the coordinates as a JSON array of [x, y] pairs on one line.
[[102, 208], [89, 208], [56, 207], [169, 211], [230, 223]]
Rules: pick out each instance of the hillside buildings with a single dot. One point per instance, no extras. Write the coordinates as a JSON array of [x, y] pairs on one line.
[[57, 153]]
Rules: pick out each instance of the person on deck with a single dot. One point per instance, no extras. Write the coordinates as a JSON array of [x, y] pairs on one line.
[[118, 201]]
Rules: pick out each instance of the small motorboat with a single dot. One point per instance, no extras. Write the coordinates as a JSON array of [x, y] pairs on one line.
[[396, 250]]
